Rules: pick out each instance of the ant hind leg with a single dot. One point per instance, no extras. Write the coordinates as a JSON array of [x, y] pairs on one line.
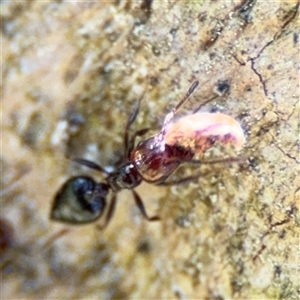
[[110, 213], [56, 236], [183, 180], [241, 159], [139, 203], [194, 177]]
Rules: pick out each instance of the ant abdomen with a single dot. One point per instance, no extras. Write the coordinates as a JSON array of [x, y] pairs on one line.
[[80, 200], [156, 161]]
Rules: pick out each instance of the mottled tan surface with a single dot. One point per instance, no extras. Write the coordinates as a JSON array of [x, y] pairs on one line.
[[72, 73]]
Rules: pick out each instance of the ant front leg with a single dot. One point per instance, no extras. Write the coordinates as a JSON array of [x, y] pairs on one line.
[[110, 213], [90, 164], [139, 203], [131, 119]]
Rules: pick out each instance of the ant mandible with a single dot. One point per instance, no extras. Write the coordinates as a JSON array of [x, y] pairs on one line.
[[82, 200]]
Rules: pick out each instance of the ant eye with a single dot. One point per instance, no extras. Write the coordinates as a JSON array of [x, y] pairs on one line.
[[80, 200]]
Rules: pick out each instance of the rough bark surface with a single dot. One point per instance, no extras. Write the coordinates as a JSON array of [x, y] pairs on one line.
[[72, 73]]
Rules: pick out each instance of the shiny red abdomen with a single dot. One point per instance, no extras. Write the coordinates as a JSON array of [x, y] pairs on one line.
[[156, 161]]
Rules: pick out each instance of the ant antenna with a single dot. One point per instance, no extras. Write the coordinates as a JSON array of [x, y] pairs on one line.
[[171, 114]]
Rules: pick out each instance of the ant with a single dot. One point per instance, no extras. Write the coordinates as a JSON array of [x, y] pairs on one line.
[[82, 200]]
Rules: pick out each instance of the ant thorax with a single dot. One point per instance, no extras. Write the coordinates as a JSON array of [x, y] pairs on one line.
[[126, 177]]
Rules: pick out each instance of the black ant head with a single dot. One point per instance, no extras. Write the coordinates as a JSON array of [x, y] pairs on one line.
[[80, 200]]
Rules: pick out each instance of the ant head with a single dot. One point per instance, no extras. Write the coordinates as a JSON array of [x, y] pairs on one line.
[[80, 200]]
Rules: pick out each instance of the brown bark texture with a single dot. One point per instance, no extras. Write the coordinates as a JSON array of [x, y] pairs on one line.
[[72, 73]]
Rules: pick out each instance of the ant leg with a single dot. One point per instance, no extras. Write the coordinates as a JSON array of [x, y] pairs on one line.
[[90, 164], [110, 213], [132, 140], [217, 161], [194, 177], [204, 103], [56, 236], [139, 203], [182, 180], [186, 96], [171, 114], [131, 119]]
